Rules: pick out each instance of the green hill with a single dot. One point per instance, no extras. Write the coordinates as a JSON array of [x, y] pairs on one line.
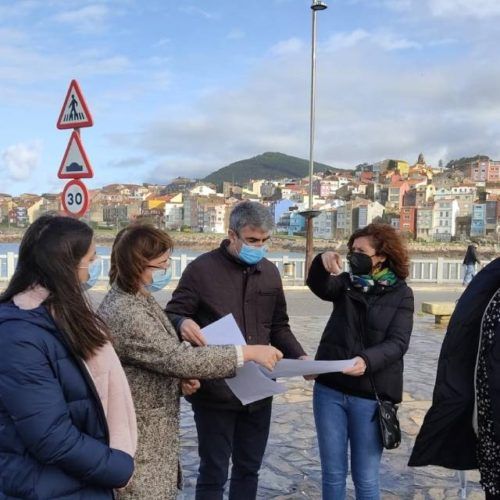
[[266, 166]]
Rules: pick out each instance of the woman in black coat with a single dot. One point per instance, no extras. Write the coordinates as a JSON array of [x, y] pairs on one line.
[[371, 322], [461, 430]]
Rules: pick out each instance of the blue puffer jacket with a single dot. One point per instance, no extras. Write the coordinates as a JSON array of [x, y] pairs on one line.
[[53, 432]]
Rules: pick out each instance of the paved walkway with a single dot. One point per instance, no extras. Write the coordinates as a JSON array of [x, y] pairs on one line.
[[291, 468]]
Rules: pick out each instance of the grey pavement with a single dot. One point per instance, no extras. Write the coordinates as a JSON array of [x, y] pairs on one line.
[[291, 468]]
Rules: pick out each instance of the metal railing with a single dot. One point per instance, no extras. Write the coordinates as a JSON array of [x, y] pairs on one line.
[[432, 270]]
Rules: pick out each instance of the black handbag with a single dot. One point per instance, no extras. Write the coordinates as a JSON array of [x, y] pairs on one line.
[[387, 416], [388, 422]]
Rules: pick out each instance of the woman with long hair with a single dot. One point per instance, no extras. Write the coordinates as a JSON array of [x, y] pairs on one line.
[[63, 392], [371, 322], [470, 261], [159, 365]]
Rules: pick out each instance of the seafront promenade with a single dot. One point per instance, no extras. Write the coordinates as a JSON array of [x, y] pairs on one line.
[[291, 467]]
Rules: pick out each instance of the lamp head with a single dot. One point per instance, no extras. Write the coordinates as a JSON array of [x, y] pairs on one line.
[[318, 5]]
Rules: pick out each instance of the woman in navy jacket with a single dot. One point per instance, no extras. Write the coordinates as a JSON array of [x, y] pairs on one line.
[[54, 439], [371, 322]]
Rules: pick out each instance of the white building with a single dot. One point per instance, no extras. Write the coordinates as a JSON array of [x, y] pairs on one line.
[[174, 215], [465, 196], [445, 212], [202, 190], [366, 213]]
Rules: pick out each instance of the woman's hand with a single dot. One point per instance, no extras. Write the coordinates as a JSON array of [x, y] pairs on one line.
[[190, 331], [265, 355], [189, 386], [332, 262], [358, 369]]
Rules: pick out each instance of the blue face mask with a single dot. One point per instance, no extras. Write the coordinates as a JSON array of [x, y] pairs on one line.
[[94, 270], [161, 279], [252, 255]]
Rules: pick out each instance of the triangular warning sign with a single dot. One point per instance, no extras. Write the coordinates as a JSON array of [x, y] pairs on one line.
[[75, 164], [74, 113]]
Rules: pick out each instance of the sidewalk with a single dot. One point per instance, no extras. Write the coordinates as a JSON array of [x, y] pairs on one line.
[[291, 468]]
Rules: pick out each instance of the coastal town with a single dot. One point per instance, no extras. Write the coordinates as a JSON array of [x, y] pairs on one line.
[[426, 203]]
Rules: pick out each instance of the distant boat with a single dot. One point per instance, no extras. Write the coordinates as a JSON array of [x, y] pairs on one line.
[[74, 167]]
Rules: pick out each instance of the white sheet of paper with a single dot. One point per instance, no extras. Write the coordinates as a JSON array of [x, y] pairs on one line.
[[301, 367], [250, 384], [253, 382], [223, 332]]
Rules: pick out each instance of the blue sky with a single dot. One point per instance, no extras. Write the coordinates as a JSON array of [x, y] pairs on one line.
[[186, 87]]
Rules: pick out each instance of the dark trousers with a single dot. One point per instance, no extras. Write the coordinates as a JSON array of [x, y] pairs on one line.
[[224, 433]]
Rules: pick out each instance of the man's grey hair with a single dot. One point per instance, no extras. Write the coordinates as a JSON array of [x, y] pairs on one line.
[[250, 213]]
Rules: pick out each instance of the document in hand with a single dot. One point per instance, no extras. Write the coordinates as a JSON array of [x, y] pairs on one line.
[[302, 367], [223, 332], [253, 382]]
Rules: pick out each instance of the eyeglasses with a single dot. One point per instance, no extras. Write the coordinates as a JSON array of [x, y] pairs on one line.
[[161, 268], [256, 241]]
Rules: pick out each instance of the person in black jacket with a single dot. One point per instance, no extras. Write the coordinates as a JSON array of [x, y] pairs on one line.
[[470, 261], [461, 430], [371, 322]]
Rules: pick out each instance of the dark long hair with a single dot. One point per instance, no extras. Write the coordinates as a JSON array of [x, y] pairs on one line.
[[387, 242], [133, 248], [49, 255]]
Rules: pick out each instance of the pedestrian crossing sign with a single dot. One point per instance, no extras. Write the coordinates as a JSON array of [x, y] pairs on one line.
[[75, 164], [74, 113]]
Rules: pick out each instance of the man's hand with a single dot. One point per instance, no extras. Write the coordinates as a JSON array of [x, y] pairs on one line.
[[189, 386], [191, 332], [358, 369], [332, 262]]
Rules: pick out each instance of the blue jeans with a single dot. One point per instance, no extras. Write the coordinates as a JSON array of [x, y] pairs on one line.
[[470, 272], [342, 419]]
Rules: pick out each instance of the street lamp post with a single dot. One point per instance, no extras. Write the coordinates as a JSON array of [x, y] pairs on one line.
[[309, 214]]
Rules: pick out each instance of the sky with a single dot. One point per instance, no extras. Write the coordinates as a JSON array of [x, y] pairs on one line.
[[184, 88]]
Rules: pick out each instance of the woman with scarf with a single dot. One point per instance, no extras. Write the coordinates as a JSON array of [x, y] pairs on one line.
[[371, 322]]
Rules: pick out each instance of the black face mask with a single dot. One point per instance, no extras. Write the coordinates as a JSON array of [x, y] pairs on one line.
[[359, 263]]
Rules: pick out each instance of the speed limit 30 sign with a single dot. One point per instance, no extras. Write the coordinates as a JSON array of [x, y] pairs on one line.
[[75, 198]]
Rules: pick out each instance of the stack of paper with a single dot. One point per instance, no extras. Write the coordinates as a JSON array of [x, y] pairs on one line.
[[253, 382]]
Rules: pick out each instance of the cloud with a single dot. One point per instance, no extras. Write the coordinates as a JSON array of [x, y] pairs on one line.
[[21, 159], [196, 11], [127, 163], [384, 40], [446, 9], [290, 46], [86, 20], [346, 39], [479, 9], [371, 104]]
